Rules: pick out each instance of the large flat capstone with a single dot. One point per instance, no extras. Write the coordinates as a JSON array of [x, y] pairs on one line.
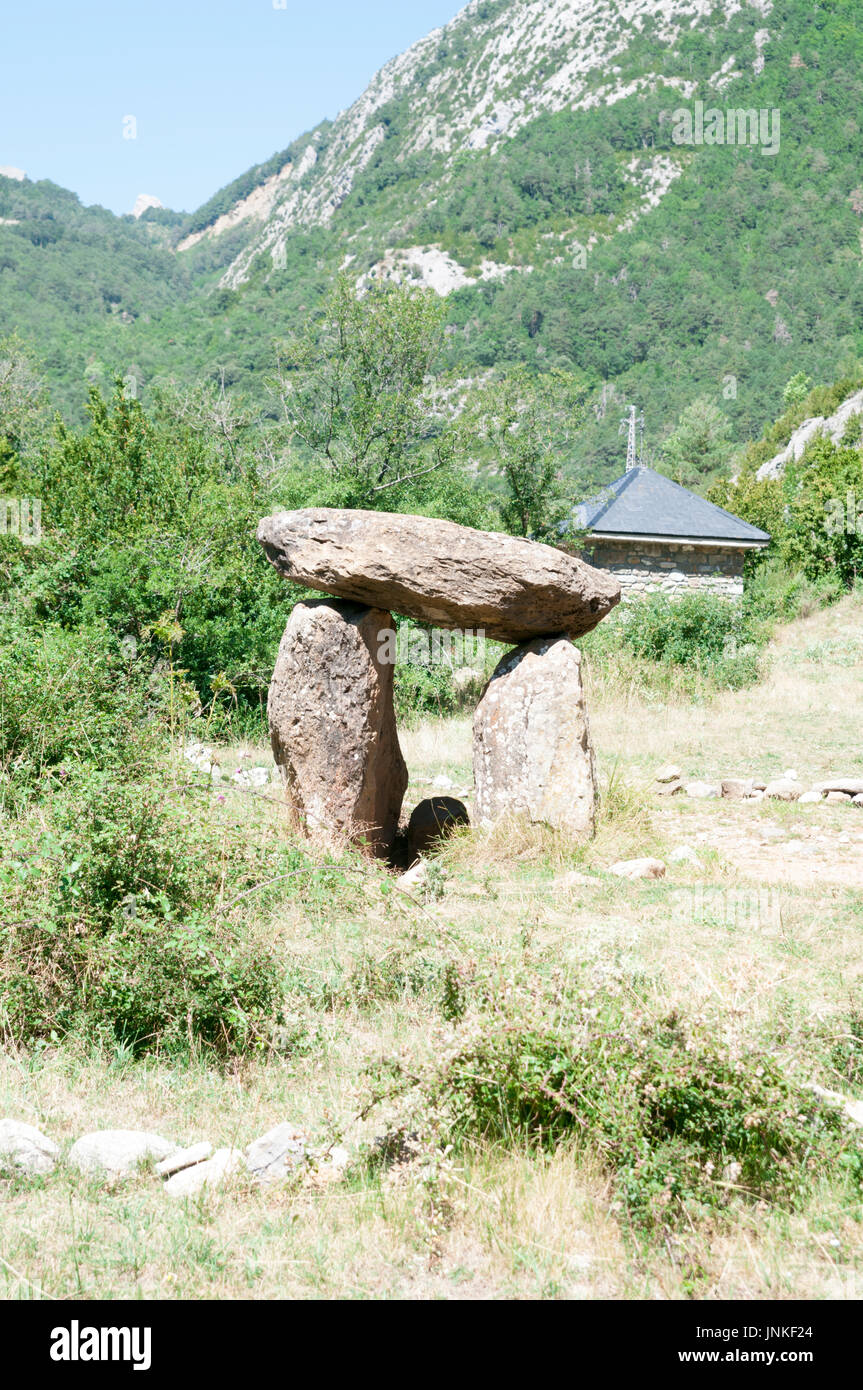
[[440, 573]]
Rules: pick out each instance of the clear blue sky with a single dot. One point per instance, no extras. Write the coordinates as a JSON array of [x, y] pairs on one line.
[[214, 85]]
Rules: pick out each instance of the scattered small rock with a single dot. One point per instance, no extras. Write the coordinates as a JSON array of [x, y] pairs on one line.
[[669, 773], [184, 1158], [117, 1153], [683, 854], [24, 1149], [790, 775], [701, 791], [443, 783], [858, 800], [276, 1155], [414, 878], [190, 1181], [852, 785], [669, 788], [736, 788], [809, 798], [639, 868], [783, 789], [835, 797]]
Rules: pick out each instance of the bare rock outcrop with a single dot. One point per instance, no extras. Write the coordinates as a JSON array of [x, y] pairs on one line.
[[440, 573], [531, 739], [332, 723]]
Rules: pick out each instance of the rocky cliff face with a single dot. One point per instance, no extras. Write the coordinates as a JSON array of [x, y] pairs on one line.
[[479, 81]]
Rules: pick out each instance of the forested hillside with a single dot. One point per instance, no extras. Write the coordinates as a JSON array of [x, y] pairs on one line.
[[523, 162]]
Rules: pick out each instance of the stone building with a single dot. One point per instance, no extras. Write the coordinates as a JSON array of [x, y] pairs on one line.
[[657, 537]]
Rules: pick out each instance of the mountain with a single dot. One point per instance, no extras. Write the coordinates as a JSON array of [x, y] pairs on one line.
[[532, 162]]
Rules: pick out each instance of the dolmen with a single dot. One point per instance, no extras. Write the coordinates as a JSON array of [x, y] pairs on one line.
[[331, 712]]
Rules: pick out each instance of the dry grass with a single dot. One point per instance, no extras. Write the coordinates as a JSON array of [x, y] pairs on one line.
[[762, 937]]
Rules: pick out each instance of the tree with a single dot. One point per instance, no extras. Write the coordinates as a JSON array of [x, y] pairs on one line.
[[354, 390], [529, 420], [797, 389], [699, 447], [22, 406]]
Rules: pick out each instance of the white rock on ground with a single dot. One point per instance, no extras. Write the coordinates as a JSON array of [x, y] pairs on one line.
[[837, 797], [736, 788], [701, 791], [852, 785], [116, 1153], [414, 878], [276, 1155], [443, 783], [216, 1170], [24, 1149], [639, 868], [809, 798], [683, 854], [184, 1158]]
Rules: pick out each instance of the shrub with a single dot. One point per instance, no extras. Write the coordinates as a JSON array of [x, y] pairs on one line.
[[110, 918], [683, 1124], [713, 639], [67, 700]]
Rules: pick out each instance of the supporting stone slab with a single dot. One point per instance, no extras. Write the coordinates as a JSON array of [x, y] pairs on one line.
[[332, 723], [531, 739]]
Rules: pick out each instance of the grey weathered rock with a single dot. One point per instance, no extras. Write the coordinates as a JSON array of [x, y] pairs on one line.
[[852, 785], [639, 868], [669, 773], [837, 797], [809, 798], [117, 1153], [683, 854], [416, 877], [277, 1154], [669, 788], [432, 820], [184, 1158], [736, 788], [440, 573], [332, 723], [24, 1149], [531, 740], [782, 790], [189, 1181], [702, 791]]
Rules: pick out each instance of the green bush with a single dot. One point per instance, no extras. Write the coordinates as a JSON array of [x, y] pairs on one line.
[[683, 1124], [69, 700], [711, 638], [111, 919]]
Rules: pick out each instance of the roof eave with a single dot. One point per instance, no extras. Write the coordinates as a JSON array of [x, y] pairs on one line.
[[729, 542]]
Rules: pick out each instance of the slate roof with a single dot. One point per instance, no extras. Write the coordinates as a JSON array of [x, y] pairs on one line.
[[646, 504]]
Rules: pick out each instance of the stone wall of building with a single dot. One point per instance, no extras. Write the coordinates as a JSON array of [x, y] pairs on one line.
[[650, 567]]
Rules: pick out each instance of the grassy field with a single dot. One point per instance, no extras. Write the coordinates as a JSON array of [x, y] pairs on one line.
[[757, 940]]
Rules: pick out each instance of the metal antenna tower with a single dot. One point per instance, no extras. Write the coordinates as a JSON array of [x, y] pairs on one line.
[[634, 425]]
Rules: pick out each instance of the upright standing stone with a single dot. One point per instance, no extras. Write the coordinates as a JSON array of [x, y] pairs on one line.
[[531, 739], [332, 722]]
